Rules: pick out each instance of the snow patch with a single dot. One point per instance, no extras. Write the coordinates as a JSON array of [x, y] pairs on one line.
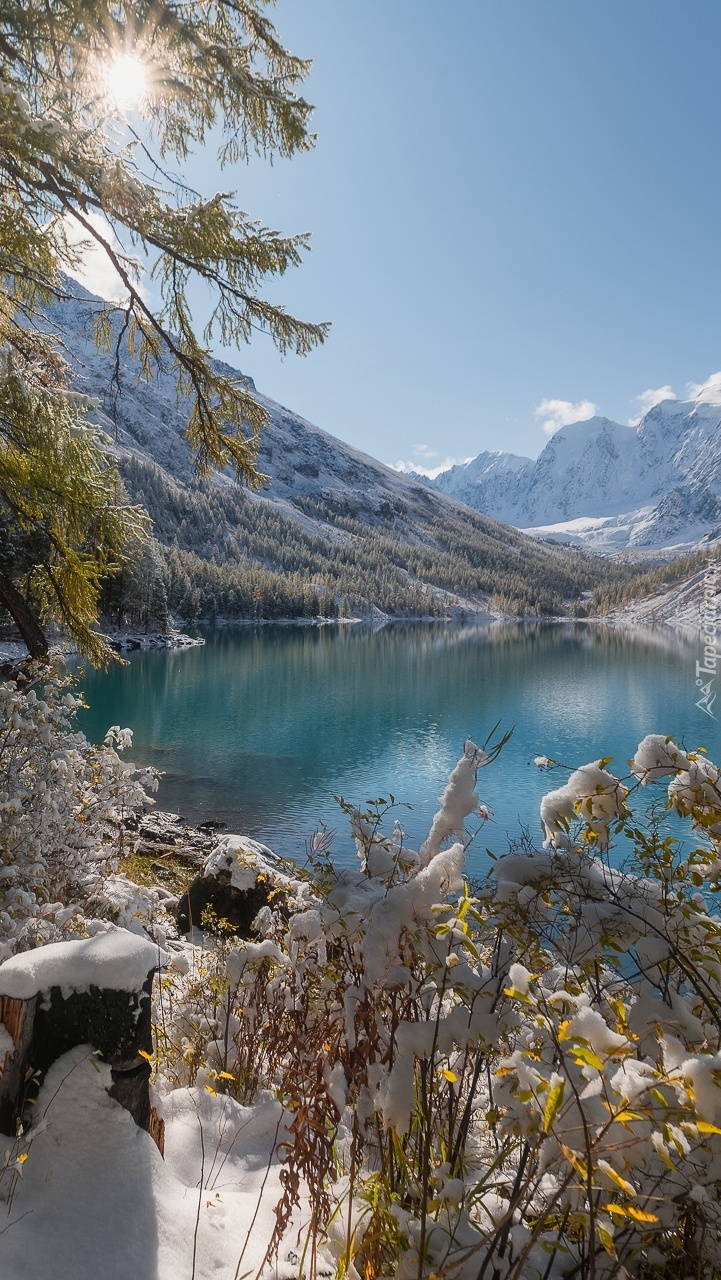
[[115, 960], [245, 859]]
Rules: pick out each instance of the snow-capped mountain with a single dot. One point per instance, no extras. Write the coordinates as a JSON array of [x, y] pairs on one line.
[[301, 461], [610, 487], [333, 511], [501, 477]]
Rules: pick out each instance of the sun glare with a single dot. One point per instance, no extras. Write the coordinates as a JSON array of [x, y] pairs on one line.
[[126, 80]]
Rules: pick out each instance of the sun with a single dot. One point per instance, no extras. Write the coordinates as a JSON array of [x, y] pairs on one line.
[[126, 80]]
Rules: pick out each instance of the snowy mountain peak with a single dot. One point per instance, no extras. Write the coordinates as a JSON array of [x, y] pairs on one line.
[[609, 486], [709, 392]]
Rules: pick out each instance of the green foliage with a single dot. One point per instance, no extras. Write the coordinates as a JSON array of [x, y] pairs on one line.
[[74, 172], [65, 521], [136, 596]]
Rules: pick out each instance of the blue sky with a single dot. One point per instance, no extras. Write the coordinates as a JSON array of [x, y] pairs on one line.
[[511, 201]]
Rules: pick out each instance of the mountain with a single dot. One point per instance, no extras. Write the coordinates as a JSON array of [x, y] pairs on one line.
[[334, 528], [606, 486], [680, 605], [501, 478]]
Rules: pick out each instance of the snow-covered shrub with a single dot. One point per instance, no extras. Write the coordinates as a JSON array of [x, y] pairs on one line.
[[521, 1085], [524, 1084], [591, 793], [61, 801]]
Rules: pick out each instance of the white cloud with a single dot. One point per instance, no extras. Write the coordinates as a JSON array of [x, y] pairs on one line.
[[431, 472], [423, 451], [709, 392], [649, 398], [559, 413], [95, 270]]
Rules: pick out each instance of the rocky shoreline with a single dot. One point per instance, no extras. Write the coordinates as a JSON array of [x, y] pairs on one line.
[[201, 870], [13, 652], [160, 834], [131, 640]]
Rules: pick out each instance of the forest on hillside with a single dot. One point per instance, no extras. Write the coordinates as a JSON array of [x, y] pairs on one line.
[[220, 552]]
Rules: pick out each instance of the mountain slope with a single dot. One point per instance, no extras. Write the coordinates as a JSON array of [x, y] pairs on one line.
[[331, 519], [608, 486]]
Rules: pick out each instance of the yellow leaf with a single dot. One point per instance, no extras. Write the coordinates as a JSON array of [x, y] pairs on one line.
[[225, 1075], [576, 1162], [583, 1055], [704, 1127], [640, 1216], [618, 1209], [607, 1241], [620, 1182], [211, 1091], [553, 1102], [563, 1033], [470, 946], [22, 1157], [450, 1076], [148, 1056], [618, 1008], [623, 1117]]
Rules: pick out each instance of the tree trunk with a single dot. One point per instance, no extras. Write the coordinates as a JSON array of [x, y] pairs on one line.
[[24, 618]]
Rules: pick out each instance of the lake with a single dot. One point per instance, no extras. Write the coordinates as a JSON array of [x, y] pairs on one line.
[[263, 726]]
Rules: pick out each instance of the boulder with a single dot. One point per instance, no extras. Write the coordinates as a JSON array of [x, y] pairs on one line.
[[238, 879]]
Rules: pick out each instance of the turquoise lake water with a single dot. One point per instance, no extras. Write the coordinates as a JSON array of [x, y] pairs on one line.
[[261, 727]]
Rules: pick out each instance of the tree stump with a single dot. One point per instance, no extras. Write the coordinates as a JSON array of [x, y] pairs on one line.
[[17, 1018], [93, 991]]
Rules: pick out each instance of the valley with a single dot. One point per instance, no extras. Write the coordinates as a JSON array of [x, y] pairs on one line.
[[333, 532]]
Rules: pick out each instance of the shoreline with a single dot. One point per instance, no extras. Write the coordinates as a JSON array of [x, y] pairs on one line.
[[643, 614]]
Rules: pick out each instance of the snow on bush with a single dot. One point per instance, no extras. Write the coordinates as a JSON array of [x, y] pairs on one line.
[[657, 757], [521, 1084], [524, 1084], [61, 799], [590, 793]]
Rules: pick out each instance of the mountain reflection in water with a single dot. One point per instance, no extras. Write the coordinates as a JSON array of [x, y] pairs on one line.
[[264, 725]]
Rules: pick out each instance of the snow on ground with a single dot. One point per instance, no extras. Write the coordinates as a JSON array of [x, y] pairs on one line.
[[96, 1199], [602, 534], [679, 606], [12, 651]]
